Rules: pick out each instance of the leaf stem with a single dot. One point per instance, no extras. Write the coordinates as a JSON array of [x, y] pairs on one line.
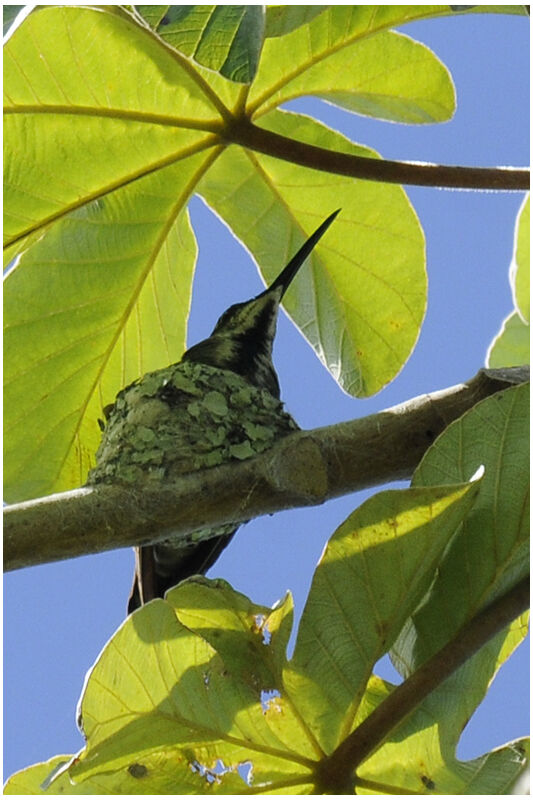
[[242, 131], [338, 770]]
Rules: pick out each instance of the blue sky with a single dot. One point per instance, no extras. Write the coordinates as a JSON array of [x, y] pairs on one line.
[[58, 617]]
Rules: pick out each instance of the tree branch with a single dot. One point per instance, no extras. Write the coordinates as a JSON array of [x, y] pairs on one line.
[[245, 133], [338, 770], [304, 468]]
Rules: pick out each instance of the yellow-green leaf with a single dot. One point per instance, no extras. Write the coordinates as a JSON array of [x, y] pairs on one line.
[[494, 538], [212, 706], [161, 691]]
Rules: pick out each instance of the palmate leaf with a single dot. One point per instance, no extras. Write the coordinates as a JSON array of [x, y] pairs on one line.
[[138, 125], [65, 88], [101, 290], [194, 693]]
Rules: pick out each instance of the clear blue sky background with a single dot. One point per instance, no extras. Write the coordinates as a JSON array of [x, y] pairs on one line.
[[59, 616]]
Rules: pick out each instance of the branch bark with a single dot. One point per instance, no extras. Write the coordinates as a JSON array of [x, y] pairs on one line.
[[245, 133], [335, 774], [304, 468]]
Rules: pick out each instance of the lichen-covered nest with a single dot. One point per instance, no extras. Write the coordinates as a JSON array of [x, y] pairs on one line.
[[183, 418]]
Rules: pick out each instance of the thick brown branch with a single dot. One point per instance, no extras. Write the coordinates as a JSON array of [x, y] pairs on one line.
[[339, 768], [248, 135], [305, 468]]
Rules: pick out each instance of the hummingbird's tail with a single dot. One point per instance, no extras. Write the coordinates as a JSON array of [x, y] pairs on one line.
[[158, 567]]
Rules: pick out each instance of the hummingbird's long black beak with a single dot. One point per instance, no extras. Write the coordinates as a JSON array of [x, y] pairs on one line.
[[242, 339], [287, 274]]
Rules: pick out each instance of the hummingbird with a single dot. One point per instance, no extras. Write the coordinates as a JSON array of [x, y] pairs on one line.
[[219, 403]]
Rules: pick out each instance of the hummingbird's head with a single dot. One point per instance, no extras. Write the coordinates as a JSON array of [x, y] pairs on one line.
[[242, 339], [253, 319]]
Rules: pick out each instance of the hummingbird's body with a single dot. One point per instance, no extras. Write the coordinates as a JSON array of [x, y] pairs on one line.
[[218, 404]]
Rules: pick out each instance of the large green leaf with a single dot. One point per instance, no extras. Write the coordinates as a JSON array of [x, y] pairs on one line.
[[92, 302], [199, 682], [200, 706], [488, 555], [133, 118], [225, 38], [491, 774]]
